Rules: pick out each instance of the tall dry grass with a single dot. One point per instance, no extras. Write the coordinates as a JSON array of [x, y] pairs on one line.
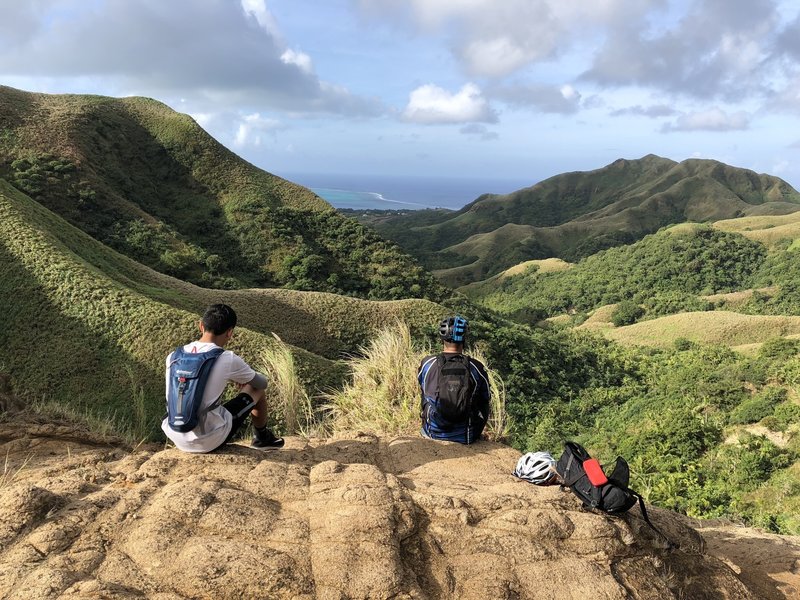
[[498, 427], [286, 391], [383, 395]]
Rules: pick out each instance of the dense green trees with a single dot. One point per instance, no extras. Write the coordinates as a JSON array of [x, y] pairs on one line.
[[678, 417], [664, 273]]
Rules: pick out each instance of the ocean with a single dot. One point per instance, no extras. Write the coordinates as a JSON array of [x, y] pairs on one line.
[[402, 193]]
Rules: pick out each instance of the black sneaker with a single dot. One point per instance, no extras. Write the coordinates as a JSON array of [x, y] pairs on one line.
[[266, 440]]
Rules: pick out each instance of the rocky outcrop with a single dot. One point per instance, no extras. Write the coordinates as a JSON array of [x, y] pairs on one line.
[[350, 517]]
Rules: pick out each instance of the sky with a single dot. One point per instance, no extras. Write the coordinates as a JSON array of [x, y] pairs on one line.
[[511, 89]]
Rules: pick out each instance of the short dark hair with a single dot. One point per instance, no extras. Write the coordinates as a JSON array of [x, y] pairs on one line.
[[218, 318]]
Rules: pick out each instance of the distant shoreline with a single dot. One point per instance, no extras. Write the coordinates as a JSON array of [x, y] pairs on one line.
[[349, 199], [401, 193]]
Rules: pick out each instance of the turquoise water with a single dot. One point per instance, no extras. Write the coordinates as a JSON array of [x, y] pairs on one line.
[[398, 193], [363, 200]]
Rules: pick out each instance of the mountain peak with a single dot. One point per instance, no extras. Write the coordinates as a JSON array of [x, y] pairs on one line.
[[573, 215]]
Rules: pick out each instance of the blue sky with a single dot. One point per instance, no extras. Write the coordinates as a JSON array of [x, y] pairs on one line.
[[519, 89]]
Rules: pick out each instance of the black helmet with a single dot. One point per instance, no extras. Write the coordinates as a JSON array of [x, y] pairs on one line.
[[453, 329]]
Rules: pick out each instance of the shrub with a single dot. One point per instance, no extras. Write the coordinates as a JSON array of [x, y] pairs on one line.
[[683, 344], [779, 347], [626, 313], [757, 407], [672, 301], [786, 413]]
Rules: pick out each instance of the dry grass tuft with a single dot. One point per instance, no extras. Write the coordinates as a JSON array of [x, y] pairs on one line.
[[9, 475], [287, 390], [498, 428], [383, 394]]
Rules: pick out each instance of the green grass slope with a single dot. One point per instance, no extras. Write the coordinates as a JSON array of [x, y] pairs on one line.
[[149, 182], [89, 327], [574, 215]]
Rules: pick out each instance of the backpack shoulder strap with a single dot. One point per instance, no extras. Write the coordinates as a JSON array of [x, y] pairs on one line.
[[670, 544], [177, 354], [579, 473]]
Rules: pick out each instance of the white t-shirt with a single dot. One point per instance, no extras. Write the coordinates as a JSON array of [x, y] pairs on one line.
[[212, 429]]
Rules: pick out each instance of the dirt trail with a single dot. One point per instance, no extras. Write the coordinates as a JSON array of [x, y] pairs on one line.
[[768, 564], [351, 517]]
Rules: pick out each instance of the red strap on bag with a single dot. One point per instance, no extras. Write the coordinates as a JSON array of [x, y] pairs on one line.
[[595, 472]]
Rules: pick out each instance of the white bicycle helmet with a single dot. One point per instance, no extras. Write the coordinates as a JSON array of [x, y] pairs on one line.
[[536, 467]]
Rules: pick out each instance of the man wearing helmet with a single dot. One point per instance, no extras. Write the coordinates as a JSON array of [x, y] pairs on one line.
[[455, 388]]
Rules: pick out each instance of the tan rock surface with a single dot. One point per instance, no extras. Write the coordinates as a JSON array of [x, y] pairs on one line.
[[351, 517]]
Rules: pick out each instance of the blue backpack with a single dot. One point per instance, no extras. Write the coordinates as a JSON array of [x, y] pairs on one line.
[[188, 373]]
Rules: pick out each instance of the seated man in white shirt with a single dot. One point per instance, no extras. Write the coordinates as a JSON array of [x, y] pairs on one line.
[[218, 424]]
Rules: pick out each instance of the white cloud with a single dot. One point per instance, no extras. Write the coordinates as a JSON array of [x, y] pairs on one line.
[[654, 111], [251, 127], [215, 52], [713, 49], [569, 92], [727, 49], [490, 39], [299, 59], [258, 10], [430, 104], [498, 56], [495, 39], [714, 119]]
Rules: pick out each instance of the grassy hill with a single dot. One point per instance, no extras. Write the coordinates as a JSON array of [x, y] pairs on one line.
[[574, 215], [714, 327], [152, 184], [91, 327], [88, 329], [774, 231]]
